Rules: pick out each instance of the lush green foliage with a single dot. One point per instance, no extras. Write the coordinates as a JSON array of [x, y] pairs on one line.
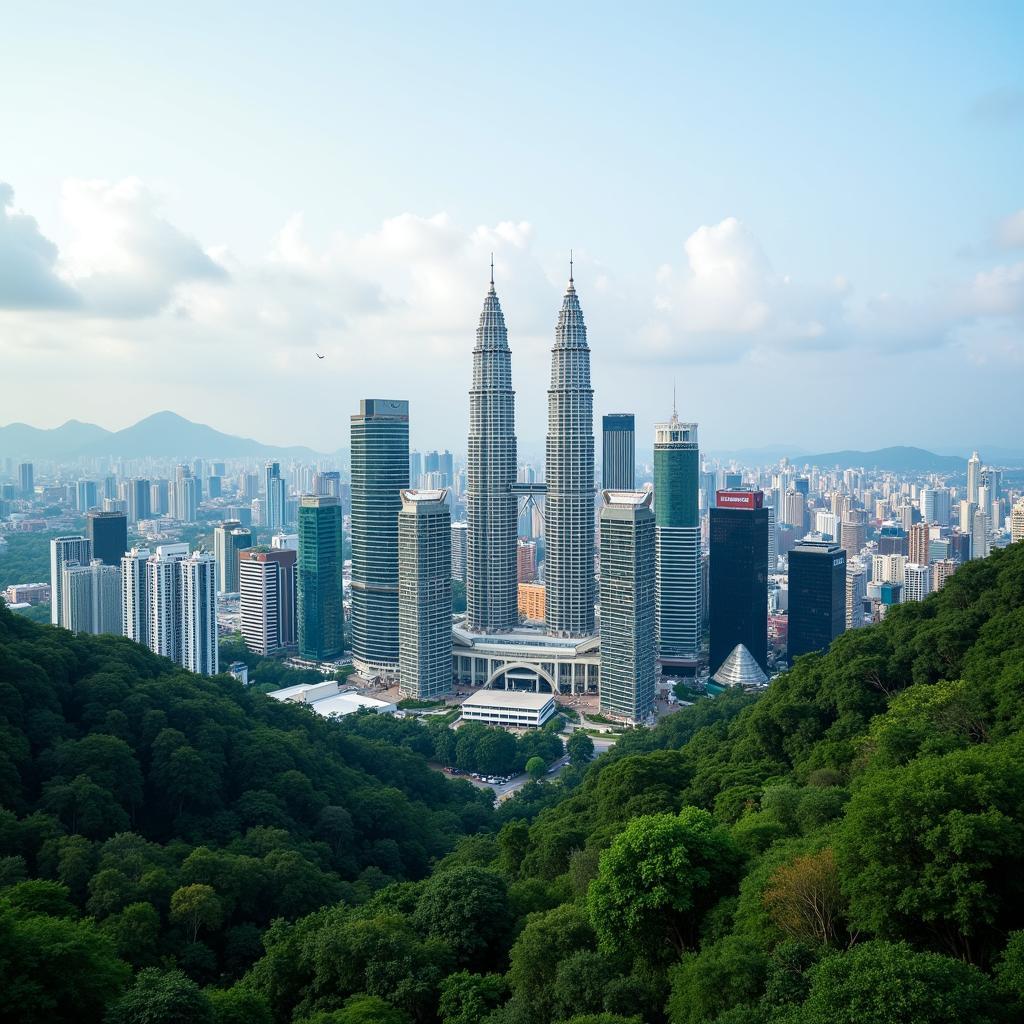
[[846, 848]]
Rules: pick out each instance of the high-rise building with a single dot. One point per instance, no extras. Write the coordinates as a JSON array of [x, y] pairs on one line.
[[628, 652], [618, 436], [139, 506], [917, 581], [918, 540], [110, 487], [569, 500], [26, 479], [935, 505], [275, 494], [319, 607], [941, 571], [380, 472], [678, 544], [135, 595], [817, 596], [491, 507], [199, 613], [163, 582], [229, 538], [76, 595], [888, 568], [160, 498], [327, 482], [64, 551], [86, 495], [415, 467], [979, 533], [773, 539], [796, 510], [853, 530], [526, 561], [424, 594], [973, 477], [460, 551], [108, 533], [738, 588], [1017, 521], [267, 599], [186, 496], [856, 592]]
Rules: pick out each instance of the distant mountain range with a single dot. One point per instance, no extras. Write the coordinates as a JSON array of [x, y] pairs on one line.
[[162, 435], [899, 459]]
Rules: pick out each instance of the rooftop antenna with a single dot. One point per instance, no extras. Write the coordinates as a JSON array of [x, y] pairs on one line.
[[492, 269], [570, 266]]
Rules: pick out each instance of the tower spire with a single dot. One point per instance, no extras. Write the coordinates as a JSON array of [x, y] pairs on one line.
[[570, 266], [492, 269]]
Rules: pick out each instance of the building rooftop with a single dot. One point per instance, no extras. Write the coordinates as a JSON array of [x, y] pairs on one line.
[[740, 669], [327, 699], [509, 699]]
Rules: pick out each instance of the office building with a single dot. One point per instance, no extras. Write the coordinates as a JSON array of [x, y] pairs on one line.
[[64, 551], [199, 613], [139, 505], [738, 587], [569, 499], [108, 533], [327, 482], [163, 583], [973, 477], [509, 709], [186, 496], [267, 599], [817, 596], [230, 538], [274, 496], [917, 581], [979, 533], [918, 540], [618, 437], [491, 507], [135, 595], [856, 593], [853, 530], [424, 594], [460, 551], [628, 652], [795, 512], [319, 609], [160, 498], [526, 561], [86, 495], [26, 480], [380, 472], [773, 539], [679, 605]]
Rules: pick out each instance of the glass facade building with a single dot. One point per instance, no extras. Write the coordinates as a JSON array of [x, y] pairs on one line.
[[108, 532], [618, 451], [380, 472], [318, 579], [817, 596]]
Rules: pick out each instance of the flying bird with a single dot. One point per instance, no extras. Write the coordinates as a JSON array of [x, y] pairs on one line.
[[318, 355]]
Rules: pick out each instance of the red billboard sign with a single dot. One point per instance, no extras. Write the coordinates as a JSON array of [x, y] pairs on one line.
[[739, 499]]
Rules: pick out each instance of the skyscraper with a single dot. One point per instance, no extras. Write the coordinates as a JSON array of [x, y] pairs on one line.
[[979, 533], [64, 551], [679, 582], [319, 578], [628, 651], [917, 545], [973, 477], [86, 495], [26, 480], [856, 592], [817, 596], [163, 583], [424, 594], [941, 571], [618, 442], [135, 595], [460, 550], [796, 510], [199, 613], [491, 507], [108, 533], [275, 496], [138, 500], [186, 496], [569, 501], [1017, 521], [738, 587], [229, 538], [526, 561], [267, 599], [91, 598], [380, 472], [917, 581]]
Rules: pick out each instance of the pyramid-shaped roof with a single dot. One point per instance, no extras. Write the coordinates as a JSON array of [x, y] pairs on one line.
[[740, 669]]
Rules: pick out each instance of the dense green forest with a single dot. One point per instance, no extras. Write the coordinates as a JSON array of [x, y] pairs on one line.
[[848, 847]]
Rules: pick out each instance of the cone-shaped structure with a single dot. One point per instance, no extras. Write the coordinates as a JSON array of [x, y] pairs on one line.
[[740, 669], [490, 472], [569, 501]]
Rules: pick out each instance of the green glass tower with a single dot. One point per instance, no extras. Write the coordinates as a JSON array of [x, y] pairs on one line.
[[319, 577]]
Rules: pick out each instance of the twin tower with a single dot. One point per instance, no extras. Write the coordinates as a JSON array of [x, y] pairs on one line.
[[491, 498]]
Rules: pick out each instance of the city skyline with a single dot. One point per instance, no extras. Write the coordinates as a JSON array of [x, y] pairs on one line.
[[883, 234]]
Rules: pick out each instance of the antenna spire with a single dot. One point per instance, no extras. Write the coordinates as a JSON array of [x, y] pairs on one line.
[[570, 266], [492, 269]]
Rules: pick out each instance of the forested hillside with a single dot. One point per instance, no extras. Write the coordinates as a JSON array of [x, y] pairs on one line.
[[847, 848]]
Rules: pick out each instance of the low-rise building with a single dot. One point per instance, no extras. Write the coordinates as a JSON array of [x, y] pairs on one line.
[[330, 700], [511, 709]]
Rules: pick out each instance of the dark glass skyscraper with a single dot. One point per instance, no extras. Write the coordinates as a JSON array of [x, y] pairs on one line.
[[318, 580], [618, 450], [738, 569], [108, 532], [380, 472], [817, 596]]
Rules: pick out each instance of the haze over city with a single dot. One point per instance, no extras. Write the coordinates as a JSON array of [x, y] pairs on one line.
[[811, 220]]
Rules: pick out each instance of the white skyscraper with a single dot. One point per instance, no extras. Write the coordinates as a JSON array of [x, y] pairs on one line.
[[888, 568], [135, 595], [460, 549], [199, 613], [91, 598], [973, 477], [267, 598], [64, 551], [979, 534], [76, 598], [163, 582], [917, 581]]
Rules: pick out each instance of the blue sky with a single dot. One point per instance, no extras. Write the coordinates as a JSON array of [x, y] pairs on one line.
[[805, 214]]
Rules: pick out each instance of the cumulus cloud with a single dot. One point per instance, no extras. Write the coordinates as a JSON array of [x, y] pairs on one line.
[[124, 259], [28, 262]]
